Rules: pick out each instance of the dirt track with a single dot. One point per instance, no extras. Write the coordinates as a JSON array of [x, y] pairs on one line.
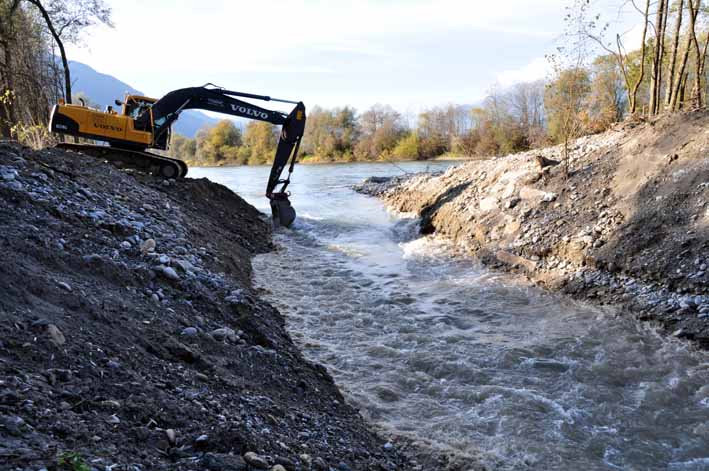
[[130, 337], [628, 227]]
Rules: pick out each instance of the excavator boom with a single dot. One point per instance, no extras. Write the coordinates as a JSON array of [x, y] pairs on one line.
[[147, 123]]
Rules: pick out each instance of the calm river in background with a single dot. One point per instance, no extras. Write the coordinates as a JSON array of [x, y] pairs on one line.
[[431, 345]]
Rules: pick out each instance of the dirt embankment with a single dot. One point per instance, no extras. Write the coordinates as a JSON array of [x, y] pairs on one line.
[[629, 226], [131, 339]]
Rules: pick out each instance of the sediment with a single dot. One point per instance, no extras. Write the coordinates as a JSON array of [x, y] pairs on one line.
[[131, 337], [625, 223]]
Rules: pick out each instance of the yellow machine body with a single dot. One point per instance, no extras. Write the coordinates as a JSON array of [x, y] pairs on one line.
[[108, 126]]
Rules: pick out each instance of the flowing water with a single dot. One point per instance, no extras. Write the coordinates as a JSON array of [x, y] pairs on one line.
[[427, 343]]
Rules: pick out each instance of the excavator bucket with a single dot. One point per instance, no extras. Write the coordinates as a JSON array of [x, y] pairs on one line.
[[281, 210]]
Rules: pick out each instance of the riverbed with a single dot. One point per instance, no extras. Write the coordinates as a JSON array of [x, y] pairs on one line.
[[429, 344]]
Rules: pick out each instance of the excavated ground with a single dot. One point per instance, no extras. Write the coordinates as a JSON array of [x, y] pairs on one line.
[[131, 339], [628, 226]]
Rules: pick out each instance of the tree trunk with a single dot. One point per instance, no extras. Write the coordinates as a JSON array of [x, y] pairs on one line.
[[675, 99], [656, 76], [60, 44], [634, 92], [697, 92], [673, 56]]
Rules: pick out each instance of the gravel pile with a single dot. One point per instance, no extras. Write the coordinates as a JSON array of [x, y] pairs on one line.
[[131, 338]]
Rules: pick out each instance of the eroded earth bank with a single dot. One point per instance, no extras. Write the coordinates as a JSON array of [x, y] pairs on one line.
[[628, 225], [131, 338]]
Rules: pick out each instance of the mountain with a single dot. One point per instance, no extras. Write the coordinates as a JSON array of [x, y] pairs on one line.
[[103, 89]]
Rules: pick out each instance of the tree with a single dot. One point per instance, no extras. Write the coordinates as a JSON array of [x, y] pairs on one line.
[[607, 98], [669, 90], [564, 101], [380, 128], [658, 55], [65, 20], [260, 138], [407, 148]]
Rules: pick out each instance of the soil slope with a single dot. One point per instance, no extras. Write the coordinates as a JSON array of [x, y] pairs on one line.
[[131, 339], [629, 225]]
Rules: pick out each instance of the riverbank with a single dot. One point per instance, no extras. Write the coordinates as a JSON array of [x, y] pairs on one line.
[[131, 336], [629, 226]]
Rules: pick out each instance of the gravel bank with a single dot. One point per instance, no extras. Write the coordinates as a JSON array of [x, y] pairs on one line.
[[629, 226], [131, 338]]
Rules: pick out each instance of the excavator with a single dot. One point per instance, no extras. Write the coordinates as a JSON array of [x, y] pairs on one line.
[[145, 123]]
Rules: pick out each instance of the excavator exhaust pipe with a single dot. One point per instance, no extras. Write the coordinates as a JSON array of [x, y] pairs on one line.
[[281, 210]]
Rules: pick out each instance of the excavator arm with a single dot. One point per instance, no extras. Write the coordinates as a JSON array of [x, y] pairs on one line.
[[166, 110]]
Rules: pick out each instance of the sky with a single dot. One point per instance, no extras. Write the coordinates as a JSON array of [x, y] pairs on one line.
[[410, 54]]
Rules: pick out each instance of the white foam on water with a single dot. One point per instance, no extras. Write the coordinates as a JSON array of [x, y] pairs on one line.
[[428, 343]]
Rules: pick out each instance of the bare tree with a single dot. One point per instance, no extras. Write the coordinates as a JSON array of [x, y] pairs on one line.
[[658, 54], [620, 55], [673, 55], [697, 92], [65, 19]]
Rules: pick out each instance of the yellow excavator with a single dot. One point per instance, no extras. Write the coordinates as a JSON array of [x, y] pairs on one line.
[[145, 123]]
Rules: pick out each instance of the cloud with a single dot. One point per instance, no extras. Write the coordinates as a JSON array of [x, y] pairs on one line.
[[538, 69]]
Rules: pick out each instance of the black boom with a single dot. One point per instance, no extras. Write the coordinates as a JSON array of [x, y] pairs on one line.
[[168, 108]]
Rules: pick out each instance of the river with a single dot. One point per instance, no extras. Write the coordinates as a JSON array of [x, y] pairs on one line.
[[427, 343]]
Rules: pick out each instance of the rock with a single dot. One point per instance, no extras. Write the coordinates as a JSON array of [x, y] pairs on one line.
[[320, 465], [170, 273], [56, 335], [8, 174], [515, 260], [113, 419], [488, 204], [63, 285], [201, 441], [185, 266], [278, 467], [148, 246], [543, 162], [225, 333], [252, 459], [388, 446], [125, 245], [164, 259], [535, 195], [189, 332], [512, 202]]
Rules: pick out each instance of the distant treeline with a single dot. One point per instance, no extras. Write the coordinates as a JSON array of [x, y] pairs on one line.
[[524, 116]]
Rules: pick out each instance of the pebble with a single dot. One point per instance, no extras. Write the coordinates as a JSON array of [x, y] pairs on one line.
[[113, 419], [278, 467], [56, 335], [8, 174], [225, 333], [189, 332], [148, 246], [164, 259], [255, 460], [64, 285], [125, 245], [170, 273]]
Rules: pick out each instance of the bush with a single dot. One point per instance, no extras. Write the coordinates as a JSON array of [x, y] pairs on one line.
[[407, 148]]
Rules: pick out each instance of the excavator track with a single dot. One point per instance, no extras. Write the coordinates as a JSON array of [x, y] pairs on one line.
[[147, 162]]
